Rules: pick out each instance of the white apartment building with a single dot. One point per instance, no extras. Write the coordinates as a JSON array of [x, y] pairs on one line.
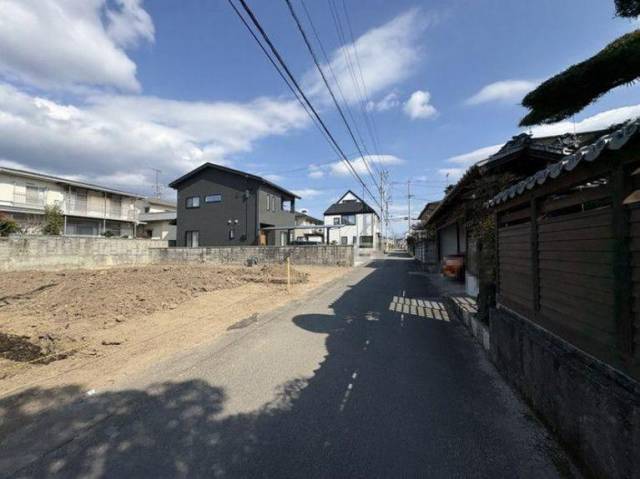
[[157, 219], [88, 209], [358, 223]]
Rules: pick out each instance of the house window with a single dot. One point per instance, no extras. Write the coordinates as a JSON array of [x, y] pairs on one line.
[[217, 198], [344, 240], [273, 203], [336, 220], [192, 239], [284, 238], [193, 202], [348, 219], [268, 201], [232, 234]]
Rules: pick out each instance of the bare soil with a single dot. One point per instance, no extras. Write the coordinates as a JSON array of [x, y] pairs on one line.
[[45, 316], [50, 321]]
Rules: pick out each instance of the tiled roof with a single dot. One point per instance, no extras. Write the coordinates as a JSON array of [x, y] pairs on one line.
[[348, 207], [589, 153]]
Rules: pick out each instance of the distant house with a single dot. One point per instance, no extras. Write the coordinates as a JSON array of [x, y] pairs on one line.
[[157, 219], [220, 206], [307, 234], [88, 209], [423, 241], [359, 223]]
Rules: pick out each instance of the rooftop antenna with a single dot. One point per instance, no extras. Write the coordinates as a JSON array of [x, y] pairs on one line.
[[158, 193]]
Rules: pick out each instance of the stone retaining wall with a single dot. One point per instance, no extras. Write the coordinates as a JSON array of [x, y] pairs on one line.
[[592, 408]]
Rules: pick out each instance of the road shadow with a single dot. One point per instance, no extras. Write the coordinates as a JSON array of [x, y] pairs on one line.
[[395, 396]]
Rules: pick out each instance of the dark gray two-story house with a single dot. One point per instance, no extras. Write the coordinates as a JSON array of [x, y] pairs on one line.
[[220, 206]]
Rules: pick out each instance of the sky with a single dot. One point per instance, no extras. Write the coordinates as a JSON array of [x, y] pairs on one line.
[[108, 91]]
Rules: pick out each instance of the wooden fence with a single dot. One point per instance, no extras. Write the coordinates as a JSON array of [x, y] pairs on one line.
[[570, 261]]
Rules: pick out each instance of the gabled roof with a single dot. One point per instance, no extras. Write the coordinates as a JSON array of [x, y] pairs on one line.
[[550, 148], [174, 184], [589, 153], [428, 210], [161, 202], [350, 207], [57, 179], [308, 217]]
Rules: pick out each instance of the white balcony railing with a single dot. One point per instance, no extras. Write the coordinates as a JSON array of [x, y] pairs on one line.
[[75, 207]]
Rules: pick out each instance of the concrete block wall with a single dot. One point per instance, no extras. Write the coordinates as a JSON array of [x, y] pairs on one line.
[[328, 255], [593, 408], [39, 253], [24, 253]]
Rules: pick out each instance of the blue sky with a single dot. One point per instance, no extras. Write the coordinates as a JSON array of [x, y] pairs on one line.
[[107, 90]]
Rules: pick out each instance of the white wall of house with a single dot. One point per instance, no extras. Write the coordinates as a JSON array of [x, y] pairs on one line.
[[367, 224], [162, 230]]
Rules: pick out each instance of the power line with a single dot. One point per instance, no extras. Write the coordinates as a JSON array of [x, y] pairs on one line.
[[369, 119], [284, 78], [326, 82], [333, 74], [286, 69], [349, 61]]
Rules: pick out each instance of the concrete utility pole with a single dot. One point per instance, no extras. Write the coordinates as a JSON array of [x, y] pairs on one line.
[[409, 206]]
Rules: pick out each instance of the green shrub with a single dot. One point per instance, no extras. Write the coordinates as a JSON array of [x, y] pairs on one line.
[[53, 220], [8, 225]]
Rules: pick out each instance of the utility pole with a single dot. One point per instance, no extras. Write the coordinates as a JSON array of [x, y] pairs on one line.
[[384, 200], [409, 206]]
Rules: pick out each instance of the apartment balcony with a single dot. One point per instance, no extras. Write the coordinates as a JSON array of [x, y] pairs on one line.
[[35, 203], [82, 209], [26, 202]]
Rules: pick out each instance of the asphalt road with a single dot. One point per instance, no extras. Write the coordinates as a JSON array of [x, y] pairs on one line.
[[340, 385]]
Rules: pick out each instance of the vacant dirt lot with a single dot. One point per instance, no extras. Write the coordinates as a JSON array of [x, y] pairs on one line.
[[49, 320]]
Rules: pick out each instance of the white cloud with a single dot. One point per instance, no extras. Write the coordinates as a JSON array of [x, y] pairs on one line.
[[452, 174], [339, 168], [129, 23], [503, 91], [599, 121], [72, 44], [417, 106], [465, 160], [389, 101], [273, 178], [386, 55], [116, 138], [308, 193], [468, 159], [316, 172]]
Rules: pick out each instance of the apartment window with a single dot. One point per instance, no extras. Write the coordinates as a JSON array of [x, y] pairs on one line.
[[348, 219], [336, 220], [192, 239], [217, 198], [193, 202], [35, 195]]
